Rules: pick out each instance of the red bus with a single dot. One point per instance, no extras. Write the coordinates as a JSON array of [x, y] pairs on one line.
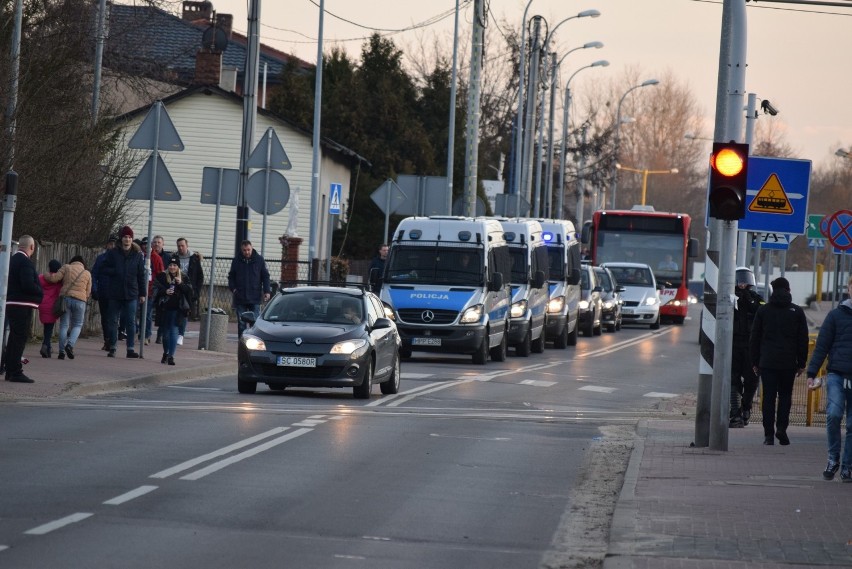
[[641, 235]]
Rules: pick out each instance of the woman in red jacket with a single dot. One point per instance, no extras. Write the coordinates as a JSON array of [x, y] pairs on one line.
[[45, 307]]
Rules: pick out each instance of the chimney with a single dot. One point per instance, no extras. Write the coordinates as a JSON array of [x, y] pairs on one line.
[[208, 67], [228, 82], [194, 11], [225, 22]]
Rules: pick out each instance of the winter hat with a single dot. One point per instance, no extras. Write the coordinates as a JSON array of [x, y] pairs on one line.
[[781, 283], [112, 238], [174, 260], [54, 265], [126, 231]]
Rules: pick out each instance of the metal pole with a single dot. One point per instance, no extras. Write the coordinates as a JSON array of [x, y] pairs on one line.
[[266, 192], [530, 110], [249, 118], [143, 319], [451, 138], [519, 117], [581, 185], [548, 178], [566, 108], [473, 109], [539, 153], [744, 237], [213, 260]]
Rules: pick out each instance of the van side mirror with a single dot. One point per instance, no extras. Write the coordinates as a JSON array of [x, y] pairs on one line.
[[496, 282], [692, 247], [538, 279], [574, 277]]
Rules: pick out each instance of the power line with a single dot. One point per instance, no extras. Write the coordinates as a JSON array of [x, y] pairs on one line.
[[755, 6]]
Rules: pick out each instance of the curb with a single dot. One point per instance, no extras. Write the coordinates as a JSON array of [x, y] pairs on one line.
[[169, 376], [623, 529]]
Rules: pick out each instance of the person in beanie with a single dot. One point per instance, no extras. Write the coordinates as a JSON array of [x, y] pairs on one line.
[[835, 342], [125, 268], [23, 295], [248, 280], [173, 294], [45, 308], [779, 352], [744, 382]]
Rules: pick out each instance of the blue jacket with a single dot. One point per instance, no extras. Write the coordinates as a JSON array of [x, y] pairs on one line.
[[100, 280], [126, 272], [834, 341], [248, 279]]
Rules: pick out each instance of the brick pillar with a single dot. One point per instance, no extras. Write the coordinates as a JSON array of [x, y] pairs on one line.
[[290, 257], [208, 67]]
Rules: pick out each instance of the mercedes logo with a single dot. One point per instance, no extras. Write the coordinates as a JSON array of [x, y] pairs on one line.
[[427, 316], [298, 341]]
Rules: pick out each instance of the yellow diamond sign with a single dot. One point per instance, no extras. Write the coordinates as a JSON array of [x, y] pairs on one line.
[[771, 198]]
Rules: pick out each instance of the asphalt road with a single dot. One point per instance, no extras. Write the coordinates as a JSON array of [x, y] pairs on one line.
[[469, 466]]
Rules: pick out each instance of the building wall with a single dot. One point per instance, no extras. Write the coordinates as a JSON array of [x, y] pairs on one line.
[[210, 127]]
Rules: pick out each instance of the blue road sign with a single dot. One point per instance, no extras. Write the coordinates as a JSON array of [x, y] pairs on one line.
[[777, 196], [334, 200], [816, 243], [774, 241], [840, 230]]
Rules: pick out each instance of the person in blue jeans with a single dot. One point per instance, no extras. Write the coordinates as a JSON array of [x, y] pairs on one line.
[[173, 297], [835, 342], [248, 281], [76, 287], [125, 267]]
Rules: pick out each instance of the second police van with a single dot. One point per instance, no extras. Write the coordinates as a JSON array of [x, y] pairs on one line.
[[447, 282], [529, 291], [563, 249]]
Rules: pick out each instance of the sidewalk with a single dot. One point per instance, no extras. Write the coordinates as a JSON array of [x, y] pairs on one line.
[[91, 371]]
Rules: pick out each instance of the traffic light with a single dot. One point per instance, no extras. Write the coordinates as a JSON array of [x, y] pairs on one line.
[[728, 174]]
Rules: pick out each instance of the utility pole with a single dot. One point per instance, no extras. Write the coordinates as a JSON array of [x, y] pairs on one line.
[[249, 118], [530, 109], [451, 137], [313, 241], [471, 157], [548, 177]]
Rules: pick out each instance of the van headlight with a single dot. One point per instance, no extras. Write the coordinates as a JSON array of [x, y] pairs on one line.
[[472, 315], [556, 305], [253, 343], [651, 301], [353, 348], [584, 305], [388, 312], [518, 309]]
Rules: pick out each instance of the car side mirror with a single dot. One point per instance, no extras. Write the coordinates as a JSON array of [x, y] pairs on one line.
[[248, 317], [597, 289], [496, 282], [538, 279], [620, 288], [382, 323]]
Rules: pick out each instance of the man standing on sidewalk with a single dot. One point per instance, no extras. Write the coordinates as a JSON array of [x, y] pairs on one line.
[[126, 270], [248, 280], [23, 295], [744, 382], [835, 341], [779, 352]]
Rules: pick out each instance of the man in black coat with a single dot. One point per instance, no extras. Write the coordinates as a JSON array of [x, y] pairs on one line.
[[376, 279], [744, 382], [125, 267], [779, 352], [248, 280], [23, 295]]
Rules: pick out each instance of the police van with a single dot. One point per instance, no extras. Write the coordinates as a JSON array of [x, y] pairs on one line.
[[446, 281], [563, 309], [529, 293]]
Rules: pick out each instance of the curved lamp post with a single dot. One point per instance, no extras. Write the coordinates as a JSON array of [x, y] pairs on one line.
[[645, 173], [565, 110], [519, 134], [647, 83]]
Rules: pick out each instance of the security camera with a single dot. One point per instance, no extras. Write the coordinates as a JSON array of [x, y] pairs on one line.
[[767, 108]]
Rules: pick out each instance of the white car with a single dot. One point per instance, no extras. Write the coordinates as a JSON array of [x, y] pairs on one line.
[[641, 296]]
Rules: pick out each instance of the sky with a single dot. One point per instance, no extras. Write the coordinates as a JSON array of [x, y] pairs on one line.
[[797, 55]]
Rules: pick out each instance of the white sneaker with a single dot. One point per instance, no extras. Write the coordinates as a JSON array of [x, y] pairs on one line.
[[180, 341]]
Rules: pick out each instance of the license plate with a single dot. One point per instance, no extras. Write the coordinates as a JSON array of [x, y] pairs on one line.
[[296, 361], [426, 342], [627, 310]]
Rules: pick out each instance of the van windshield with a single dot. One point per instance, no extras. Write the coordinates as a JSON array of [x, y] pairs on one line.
[[520, 268], [556, 257], [435, 265]]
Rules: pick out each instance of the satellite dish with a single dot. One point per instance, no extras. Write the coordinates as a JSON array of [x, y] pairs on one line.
[[215, 39]]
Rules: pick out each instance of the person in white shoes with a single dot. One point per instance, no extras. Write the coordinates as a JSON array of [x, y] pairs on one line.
[[172, 295]]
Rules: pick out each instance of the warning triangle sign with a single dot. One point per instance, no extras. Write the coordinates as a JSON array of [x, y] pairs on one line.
[[771, 198]]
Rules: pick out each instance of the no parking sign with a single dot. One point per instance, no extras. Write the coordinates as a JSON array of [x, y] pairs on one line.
[[840, 229]]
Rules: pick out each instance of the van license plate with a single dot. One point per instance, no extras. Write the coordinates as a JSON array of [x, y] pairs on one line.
[[296, 361], [426, 342]]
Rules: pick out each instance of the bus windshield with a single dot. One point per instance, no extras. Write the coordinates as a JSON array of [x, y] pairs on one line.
[[662, 252], [431, 265]]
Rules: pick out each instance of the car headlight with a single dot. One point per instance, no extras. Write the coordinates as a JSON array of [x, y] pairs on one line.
[[518, 309], [584, 304], [651, 301], [472, 315], [608, 304], [556, 305], [347, 347], [388, 312], [253, 343]]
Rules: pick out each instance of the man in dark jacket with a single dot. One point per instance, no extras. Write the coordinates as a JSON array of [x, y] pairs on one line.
[[378, 263], [744, 382], [125, 267], [248, 280], [835, 341], [100, 288], [779, 352], [190, 263], [23, 295]]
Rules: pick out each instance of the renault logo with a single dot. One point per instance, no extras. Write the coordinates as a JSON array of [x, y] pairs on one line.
[[427, 316], [298, 341]]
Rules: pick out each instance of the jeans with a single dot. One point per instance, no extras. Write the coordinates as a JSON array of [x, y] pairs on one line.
[[74, 315], [777, 383], [838, 398], [103, 306], [48, 333], [240, 308], [169, 326], [122, 310]]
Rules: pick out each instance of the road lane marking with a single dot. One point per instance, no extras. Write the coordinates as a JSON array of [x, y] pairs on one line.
[[388, 398], [625, 344], [127, 496], [216, 453], [598, 388], [433, 389], [308, 423], [412, 375], [219, 465], [60, 523], [4, 547], [660, 395], [537, 383], [195, 388]]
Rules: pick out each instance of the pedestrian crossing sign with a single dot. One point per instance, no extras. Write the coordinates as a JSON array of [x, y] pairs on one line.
[[334, 199]]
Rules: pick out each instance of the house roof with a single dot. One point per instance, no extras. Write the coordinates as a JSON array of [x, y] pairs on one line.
[[238, 100], [151, 41]]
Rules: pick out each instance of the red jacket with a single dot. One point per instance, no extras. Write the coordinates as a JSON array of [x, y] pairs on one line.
[[45, 307], [157, 267]]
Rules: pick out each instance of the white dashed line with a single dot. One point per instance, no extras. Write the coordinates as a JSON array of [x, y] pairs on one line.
[[127, 496], [56, 524], [660, 395], [598, 388], [537, 383], [308, 423], [4, 547], [411, 375]]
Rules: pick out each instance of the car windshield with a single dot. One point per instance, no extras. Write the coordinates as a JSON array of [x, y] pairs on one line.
[[632, 276], [315, 306], [603, 278], [445, 265]]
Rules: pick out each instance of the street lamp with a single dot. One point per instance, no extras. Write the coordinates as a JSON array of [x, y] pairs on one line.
[[647, 83], [645, 173], [693, 136], [565, 110], [519, 131]]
